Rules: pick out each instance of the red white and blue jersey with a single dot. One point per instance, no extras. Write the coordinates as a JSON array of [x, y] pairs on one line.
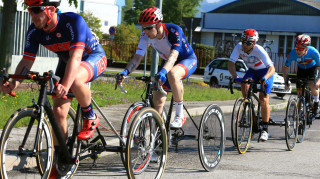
[[173, 38], [70, 32], [257, 59]]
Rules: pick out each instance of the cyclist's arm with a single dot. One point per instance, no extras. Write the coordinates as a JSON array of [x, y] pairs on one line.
[[270, 72], [232, 69], [232, 61], [23, 68], [285, 71], [171, 60], [134, 62]]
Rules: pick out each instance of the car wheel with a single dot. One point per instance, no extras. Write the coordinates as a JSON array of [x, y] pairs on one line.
[[281, 95], [214, 82]]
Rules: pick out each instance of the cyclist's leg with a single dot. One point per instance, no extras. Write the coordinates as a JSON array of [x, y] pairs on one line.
[[158, 100], [180, 71], [91, 68]]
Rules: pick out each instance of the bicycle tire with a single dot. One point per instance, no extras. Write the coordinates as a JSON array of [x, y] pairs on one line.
[[234, 119], [268, 50], [17, 160], [132, 111], [302, 113], [211, 137], [146, 142], [291, 124], [244, 126]]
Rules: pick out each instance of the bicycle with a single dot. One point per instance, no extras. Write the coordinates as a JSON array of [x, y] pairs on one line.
[[305, 108], [32, 153], [246, 118], [229, 45], [210, 141], [265, 45]]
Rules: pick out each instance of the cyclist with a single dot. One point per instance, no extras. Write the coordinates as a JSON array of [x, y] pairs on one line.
[[179, 60], [81, 59], [308, 60], [260, 68]]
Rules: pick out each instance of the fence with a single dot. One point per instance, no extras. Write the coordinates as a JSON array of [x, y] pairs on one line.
[[22, 22]]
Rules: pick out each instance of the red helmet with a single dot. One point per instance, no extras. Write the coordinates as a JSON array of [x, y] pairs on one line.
[[54, 3], [302, 40], [250, 35], [151, 15]]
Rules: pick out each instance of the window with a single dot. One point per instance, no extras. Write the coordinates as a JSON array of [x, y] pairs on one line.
[[289, 44], [106, 23], [239, 65], [281, 44], [314, 42]]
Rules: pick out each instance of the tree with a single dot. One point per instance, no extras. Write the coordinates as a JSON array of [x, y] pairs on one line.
[[127, 34], [93, 22], [174, 10], [7, 31], [132, 11]]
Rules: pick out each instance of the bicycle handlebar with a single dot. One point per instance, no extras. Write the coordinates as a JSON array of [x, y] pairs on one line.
[[31, 75], [248, 81], [146, 79], [118, 83]]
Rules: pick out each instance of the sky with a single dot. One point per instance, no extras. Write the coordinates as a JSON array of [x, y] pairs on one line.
[[209, 5]]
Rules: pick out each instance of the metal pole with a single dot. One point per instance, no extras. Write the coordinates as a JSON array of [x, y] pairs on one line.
[[155, 55]]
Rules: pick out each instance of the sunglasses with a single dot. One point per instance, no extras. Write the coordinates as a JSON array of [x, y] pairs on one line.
[[36, 10], [148, 27], [248, 43], [300, 49]]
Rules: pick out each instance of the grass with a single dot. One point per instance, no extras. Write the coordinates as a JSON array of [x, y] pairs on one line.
[[104, 94]]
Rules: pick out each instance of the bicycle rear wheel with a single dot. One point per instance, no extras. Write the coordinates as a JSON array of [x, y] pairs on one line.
[[291, 124], [234, 119], [302, 112], [211, 137], [244, 126], [147, 145], [19, 156]]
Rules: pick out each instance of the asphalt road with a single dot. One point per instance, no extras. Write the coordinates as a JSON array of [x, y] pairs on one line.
[[262, 160]]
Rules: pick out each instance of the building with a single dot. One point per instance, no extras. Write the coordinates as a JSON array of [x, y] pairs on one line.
[[108, 11], [277, 20]]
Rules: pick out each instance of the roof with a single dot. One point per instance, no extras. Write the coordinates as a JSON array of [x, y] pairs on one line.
[[283, 7]]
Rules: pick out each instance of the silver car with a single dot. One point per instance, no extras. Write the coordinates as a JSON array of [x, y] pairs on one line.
[[216, 73]]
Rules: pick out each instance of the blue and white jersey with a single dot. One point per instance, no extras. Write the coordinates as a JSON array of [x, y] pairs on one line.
[[173, 38], [70, 32], [311, 59]]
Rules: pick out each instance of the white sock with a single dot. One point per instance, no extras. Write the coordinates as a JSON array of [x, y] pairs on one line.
[[179, 108], [316, 98]]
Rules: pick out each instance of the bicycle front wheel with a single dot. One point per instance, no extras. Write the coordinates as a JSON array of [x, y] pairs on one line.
[[146, 145], [291, 124], [20, 156], [234, 119], [244, 126], [211, 137]]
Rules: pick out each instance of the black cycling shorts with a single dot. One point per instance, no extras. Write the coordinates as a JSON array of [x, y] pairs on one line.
[[305, 74]]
